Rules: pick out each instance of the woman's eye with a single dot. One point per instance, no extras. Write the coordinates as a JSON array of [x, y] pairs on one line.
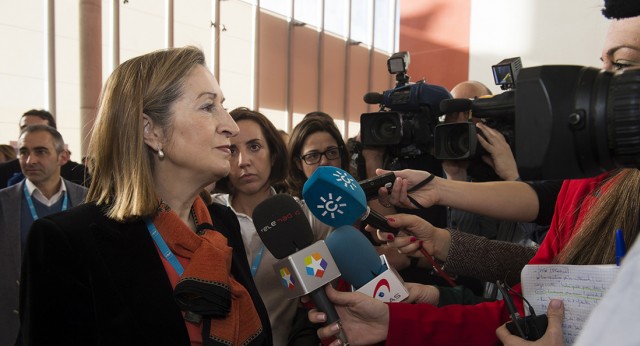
[[620, 66], [208, 107], [255, 147]]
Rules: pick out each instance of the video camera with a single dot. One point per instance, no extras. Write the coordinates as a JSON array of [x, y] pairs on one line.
[[408, 113], [459, 141], [570, 121]]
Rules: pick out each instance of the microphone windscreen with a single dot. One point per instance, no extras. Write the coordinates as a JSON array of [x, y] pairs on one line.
[[334, 196], [455, 105], [373, 98], [282, 225], [354, 255]]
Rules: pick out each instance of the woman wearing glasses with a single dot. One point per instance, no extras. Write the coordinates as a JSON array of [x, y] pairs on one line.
[[314, 142]]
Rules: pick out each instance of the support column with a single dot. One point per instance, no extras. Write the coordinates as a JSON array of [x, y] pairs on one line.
[[51, 57], [90, 66]]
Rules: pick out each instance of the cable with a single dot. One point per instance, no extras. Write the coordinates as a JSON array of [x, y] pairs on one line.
[[515, 316], [437, 267]]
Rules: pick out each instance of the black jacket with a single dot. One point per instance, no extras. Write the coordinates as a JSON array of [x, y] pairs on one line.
[[88, 280]]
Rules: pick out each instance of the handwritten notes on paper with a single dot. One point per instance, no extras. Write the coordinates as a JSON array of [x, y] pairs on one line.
[[579, 287]]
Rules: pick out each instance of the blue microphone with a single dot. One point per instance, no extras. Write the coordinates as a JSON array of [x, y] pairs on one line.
[[362, 267], [336, 198], [354, 255]]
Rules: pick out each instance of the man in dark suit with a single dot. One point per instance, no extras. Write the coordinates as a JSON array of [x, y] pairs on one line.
[[10, 171], [43, 192]]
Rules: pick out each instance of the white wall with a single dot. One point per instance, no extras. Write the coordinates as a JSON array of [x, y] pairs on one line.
[[541, 32]]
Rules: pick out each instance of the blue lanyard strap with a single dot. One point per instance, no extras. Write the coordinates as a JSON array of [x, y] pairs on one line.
[[32, 208], [256, 261], [164, 249]]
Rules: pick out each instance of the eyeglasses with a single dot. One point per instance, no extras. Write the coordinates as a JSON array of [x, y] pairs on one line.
[[315, 157]]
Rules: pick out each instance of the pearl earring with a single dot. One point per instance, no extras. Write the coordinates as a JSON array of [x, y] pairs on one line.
[[160, 153]]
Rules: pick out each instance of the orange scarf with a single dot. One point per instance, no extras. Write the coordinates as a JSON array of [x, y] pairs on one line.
[[207, 287]]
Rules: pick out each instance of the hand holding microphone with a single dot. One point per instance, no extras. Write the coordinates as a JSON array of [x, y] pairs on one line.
[[305, 267], [412, 189], [334, 197], [365, 319], [426, 239]]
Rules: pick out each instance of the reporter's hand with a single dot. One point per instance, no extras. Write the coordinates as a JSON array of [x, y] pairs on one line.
[[397, 260], [365, 320], [415, 233], [500, 157], [427, 195], [419, 294], [552, 337]]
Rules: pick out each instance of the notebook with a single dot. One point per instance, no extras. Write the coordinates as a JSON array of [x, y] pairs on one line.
[[580, 287]]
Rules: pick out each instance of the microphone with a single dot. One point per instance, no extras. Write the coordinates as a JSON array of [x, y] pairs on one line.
[[361, 266], [370, 186], [336, 198], [373, 98], [304, 266], [499, 106], [455, 105]]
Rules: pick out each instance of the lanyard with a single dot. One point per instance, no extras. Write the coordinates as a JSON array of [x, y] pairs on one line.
[[166, 252], [32, 208], [256, 261]]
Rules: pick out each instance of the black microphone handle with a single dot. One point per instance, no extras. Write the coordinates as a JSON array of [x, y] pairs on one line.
[[378, 221], [323, 304]]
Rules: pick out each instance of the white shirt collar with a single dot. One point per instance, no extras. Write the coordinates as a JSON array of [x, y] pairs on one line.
[[37, 194], [225, 199]]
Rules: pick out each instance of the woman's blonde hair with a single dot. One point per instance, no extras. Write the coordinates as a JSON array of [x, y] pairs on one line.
[[616, 208], [122, 164]]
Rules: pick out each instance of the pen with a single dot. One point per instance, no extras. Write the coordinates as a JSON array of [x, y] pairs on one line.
[[620, 247]]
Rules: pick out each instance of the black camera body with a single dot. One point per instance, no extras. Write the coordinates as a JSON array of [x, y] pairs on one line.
[[570, 122], [408, 113], [458, 141]]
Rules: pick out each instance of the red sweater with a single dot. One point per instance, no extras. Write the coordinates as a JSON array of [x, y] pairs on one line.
[[424, 324]]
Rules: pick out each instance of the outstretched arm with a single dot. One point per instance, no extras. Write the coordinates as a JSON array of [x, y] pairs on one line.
[[505, 200]]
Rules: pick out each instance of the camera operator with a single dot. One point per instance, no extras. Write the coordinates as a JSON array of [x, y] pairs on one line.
[[586, 209], [478, 168]]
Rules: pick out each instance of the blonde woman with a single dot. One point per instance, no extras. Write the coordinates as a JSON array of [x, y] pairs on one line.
[[146, 261]]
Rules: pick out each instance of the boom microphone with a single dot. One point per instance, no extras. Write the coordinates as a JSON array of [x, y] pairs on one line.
[[304, 266], [373, 98], [498, 106], [336, 199], [361, 266], [455, 105]]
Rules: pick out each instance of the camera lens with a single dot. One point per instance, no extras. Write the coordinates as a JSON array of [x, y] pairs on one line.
[[457, 142], [385, 129]]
